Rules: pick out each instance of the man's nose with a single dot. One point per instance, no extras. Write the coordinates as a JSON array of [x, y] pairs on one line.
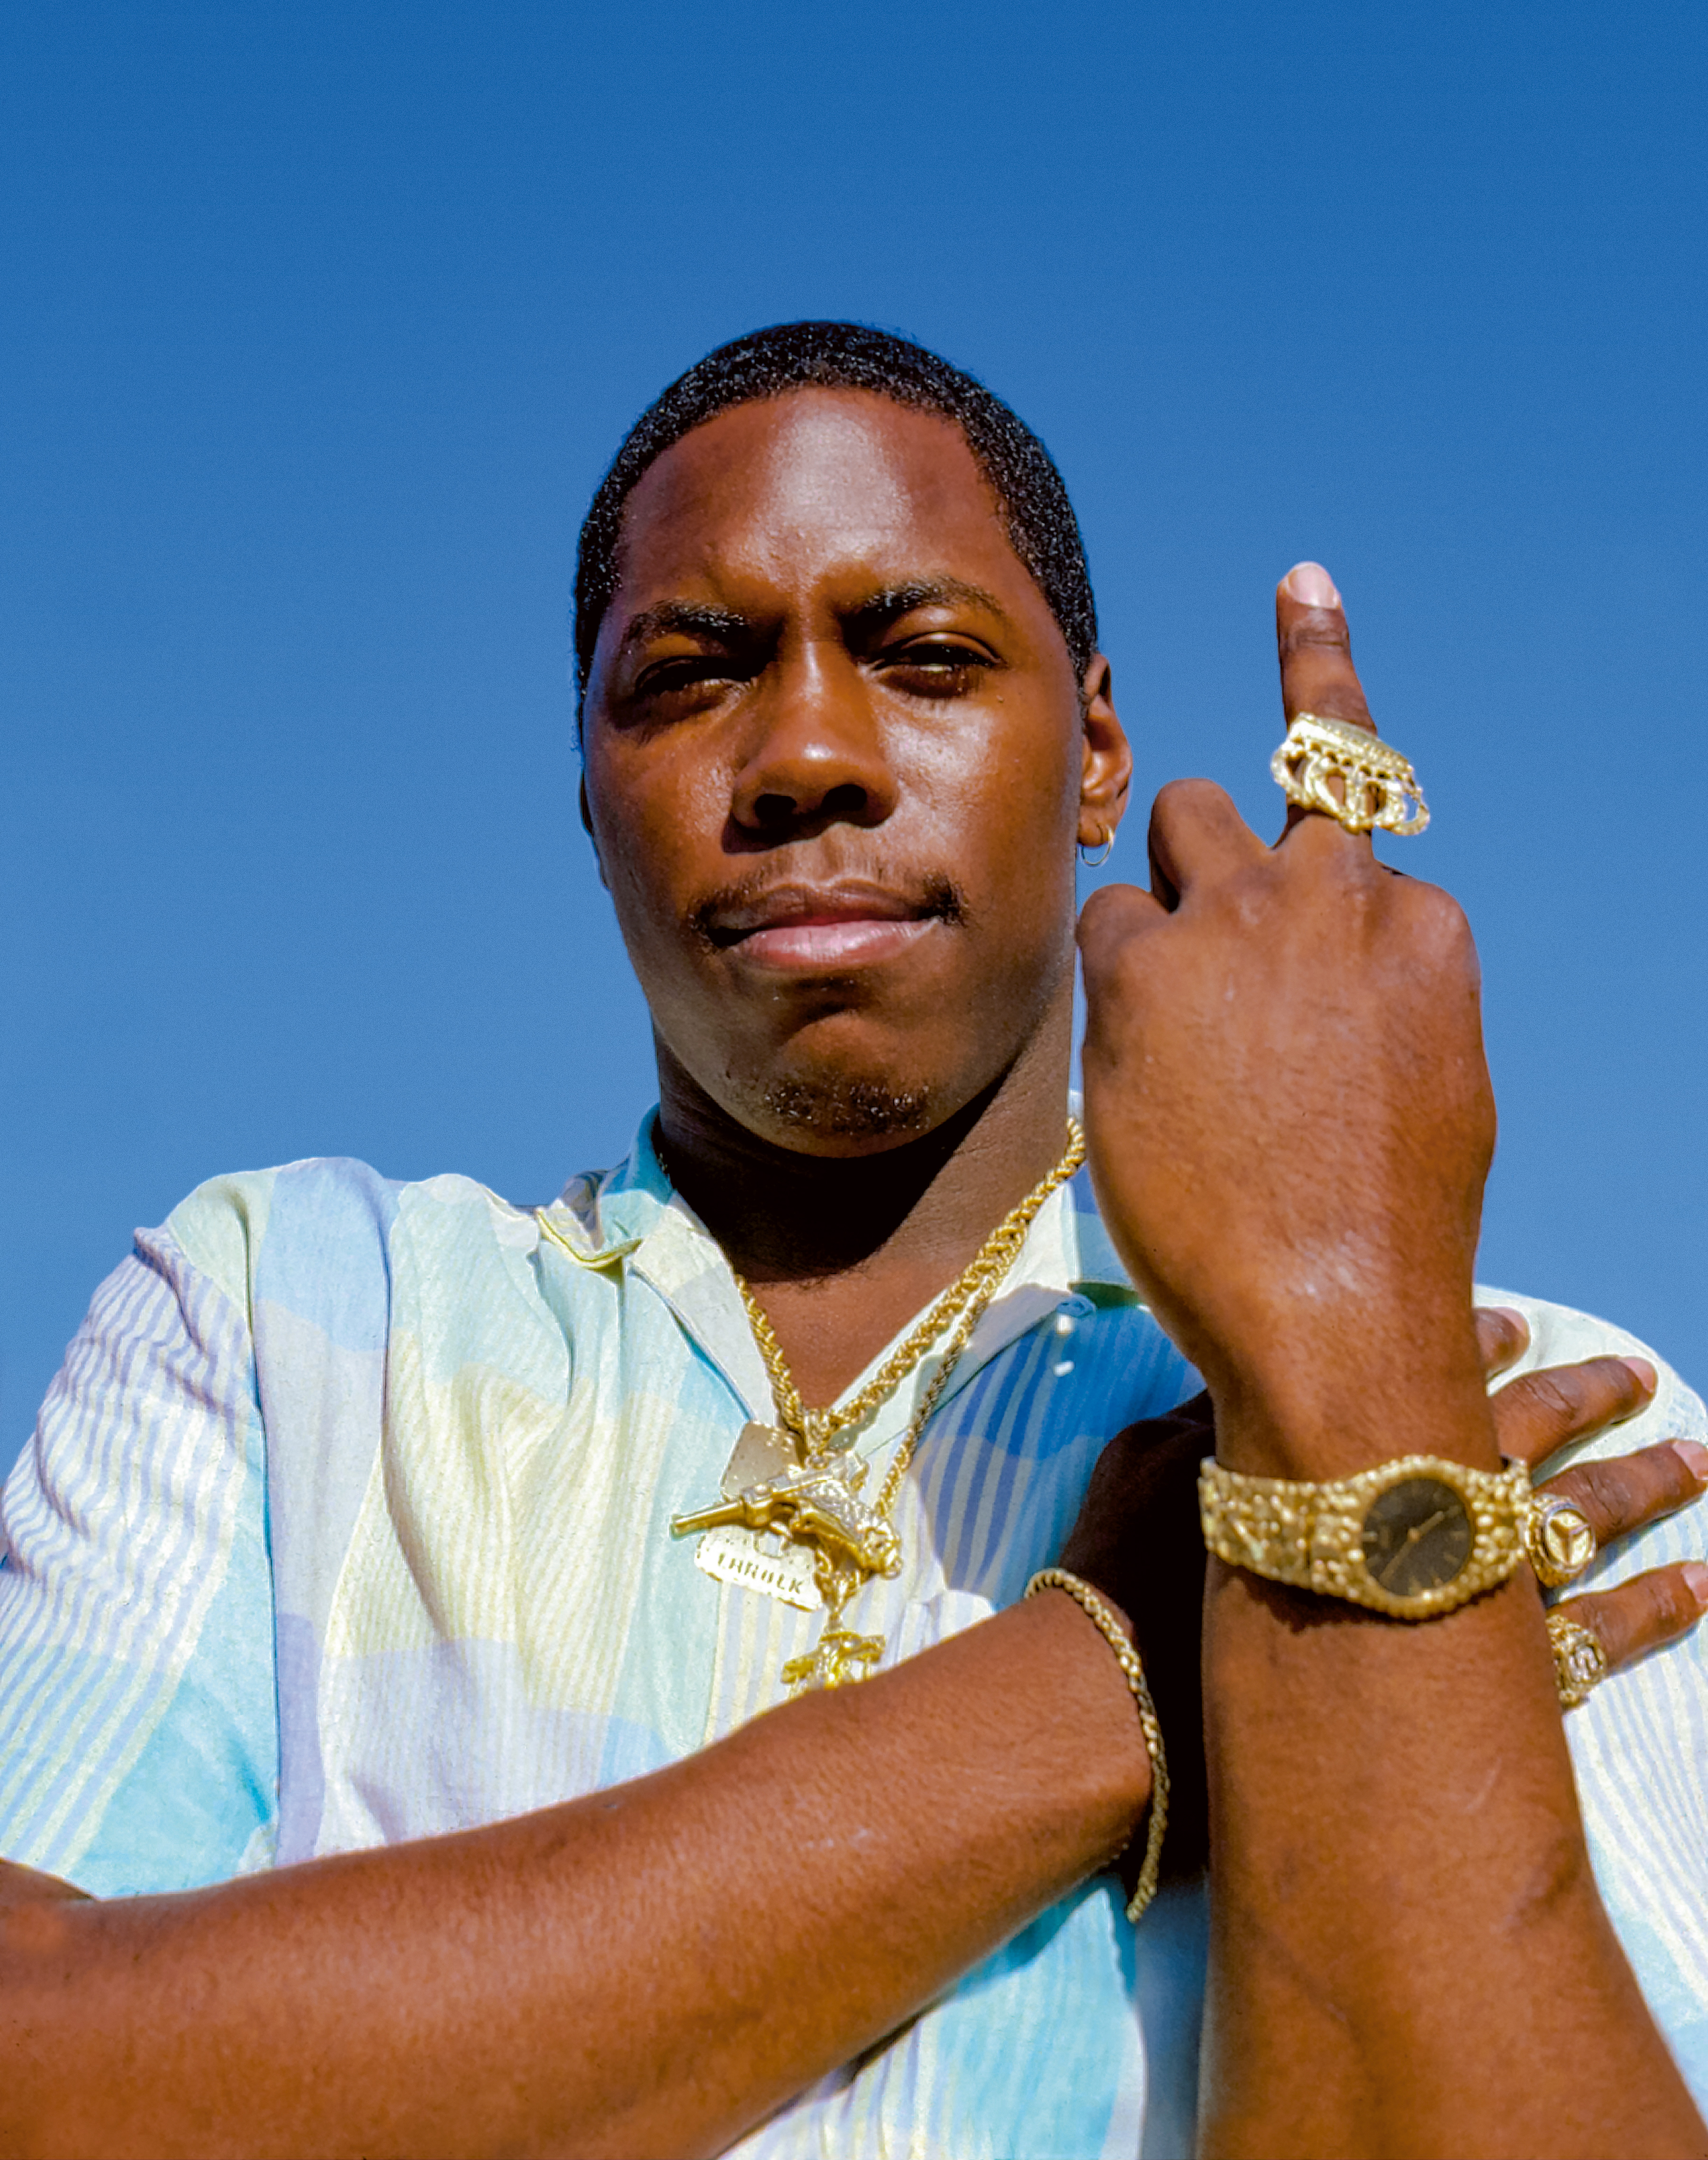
[[816, 757]]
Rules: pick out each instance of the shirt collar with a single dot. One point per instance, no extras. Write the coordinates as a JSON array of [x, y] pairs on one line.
[[603, 1215], [633, 1214]]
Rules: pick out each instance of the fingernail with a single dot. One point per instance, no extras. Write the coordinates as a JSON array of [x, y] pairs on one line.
[[1695, 1457], [1695, 1573], [1646, 1377], [1309, 583], [1510, 1312]]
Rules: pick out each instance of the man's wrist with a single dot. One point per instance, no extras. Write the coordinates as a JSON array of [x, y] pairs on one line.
[[1115, 1758], [1330, 1407]]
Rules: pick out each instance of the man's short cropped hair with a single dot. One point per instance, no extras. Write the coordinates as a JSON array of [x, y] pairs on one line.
[[1042, 528]]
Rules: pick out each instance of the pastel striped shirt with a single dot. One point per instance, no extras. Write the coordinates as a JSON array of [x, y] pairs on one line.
[[347, 1522]]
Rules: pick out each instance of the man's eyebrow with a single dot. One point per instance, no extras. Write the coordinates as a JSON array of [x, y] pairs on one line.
[[694, 619], [688, 619], [896, 600]]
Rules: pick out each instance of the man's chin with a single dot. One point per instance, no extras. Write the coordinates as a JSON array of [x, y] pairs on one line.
[[846, 1113]]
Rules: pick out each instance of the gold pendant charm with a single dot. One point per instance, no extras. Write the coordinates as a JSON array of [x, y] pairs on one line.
[[841, 1657], [761, 1451], [816, 1504], [756, 1560], [801, 1532]]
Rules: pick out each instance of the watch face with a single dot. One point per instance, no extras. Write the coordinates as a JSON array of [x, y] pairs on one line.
[[1417, 1536]]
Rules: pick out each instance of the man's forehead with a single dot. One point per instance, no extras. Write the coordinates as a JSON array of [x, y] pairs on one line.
[[812, 482]]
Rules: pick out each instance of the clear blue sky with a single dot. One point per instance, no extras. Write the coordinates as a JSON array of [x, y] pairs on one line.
[[321, 321]]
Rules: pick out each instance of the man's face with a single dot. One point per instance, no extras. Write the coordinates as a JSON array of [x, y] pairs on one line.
[[835, 763]]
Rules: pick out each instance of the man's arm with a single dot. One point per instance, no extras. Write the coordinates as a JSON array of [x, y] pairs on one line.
[[1409, 1953], [648, 1971], [653, 1968], [1290, 1124]]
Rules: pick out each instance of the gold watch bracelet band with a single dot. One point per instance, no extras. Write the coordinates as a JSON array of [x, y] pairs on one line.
[[1413, 1539]]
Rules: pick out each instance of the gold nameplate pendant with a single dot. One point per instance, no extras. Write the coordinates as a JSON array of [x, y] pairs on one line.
[[757, 1559], [739, 1557]]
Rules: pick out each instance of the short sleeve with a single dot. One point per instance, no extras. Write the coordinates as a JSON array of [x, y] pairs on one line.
[[138, 1722]]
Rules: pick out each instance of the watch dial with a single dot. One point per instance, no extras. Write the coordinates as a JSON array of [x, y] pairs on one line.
[[1417, 1536]]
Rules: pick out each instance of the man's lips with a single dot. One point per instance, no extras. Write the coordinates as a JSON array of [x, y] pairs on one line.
[[851, 942], [801, 929]]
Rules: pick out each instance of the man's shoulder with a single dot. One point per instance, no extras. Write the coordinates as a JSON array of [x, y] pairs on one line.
[[268, 1232]]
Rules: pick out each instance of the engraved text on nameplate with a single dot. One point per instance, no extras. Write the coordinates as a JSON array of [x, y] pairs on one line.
[[735, 1556]]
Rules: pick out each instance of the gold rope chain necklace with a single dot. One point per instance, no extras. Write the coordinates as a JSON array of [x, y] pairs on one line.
[[812, 1497]]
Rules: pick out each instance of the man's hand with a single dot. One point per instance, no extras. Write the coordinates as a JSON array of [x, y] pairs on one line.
[[1288, 1112], [1538, 1415], [1138, 1539], [1289, 1121]]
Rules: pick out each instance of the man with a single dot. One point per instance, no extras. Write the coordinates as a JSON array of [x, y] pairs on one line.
[[343, 1580]]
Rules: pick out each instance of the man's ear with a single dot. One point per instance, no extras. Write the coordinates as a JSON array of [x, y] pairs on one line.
[[1106, 772], [587, 828]]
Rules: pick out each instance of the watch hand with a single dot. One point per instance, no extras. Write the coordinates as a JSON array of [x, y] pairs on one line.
[[1418, 1530]]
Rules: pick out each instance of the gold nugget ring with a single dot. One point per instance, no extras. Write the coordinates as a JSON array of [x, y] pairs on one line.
[[1559, 1542], [1579, 1662], [1381, 794]]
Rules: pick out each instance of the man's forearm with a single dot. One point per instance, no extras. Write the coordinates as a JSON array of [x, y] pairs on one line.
[[650, 1969], [1409, 1953]]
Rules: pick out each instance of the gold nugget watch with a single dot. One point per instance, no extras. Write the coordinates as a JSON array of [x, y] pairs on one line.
[[1413, 1538]]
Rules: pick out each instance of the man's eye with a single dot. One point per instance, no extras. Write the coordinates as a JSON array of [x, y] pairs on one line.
[[937, 664], [686, 672]]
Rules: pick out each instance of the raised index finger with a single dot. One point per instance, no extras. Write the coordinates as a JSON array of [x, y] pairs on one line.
[[1317, 675]]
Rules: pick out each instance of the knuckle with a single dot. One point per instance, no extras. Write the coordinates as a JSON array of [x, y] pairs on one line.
[[1640, 1615], [1569, 1402], [1315, 629], [1113, 925], [1591, 1609], [1437, 921], [1613, 1617], [1604, 1491], [1100, 919], [1500, 1336], [1548, 1402], [1634, 1489], [1189, 799]]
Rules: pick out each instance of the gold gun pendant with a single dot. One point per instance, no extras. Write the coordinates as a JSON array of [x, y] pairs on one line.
[[814, 1505], [750, 1510]]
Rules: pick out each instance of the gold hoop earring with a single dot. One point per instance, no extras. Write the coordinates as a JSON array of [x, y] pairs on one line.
[[1106, 843]]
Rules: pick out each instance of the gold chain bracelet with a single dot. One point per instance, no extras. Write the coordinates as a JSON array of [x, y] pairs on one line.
[[1102, 1618]]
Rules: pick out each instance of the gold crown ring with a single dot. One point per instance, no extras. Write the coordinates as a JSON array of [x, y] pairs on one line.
[[1380, 790]]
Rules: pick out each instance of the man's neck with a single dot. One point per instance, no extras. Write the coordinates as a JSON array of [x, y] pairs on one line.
[[843, 1251]]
